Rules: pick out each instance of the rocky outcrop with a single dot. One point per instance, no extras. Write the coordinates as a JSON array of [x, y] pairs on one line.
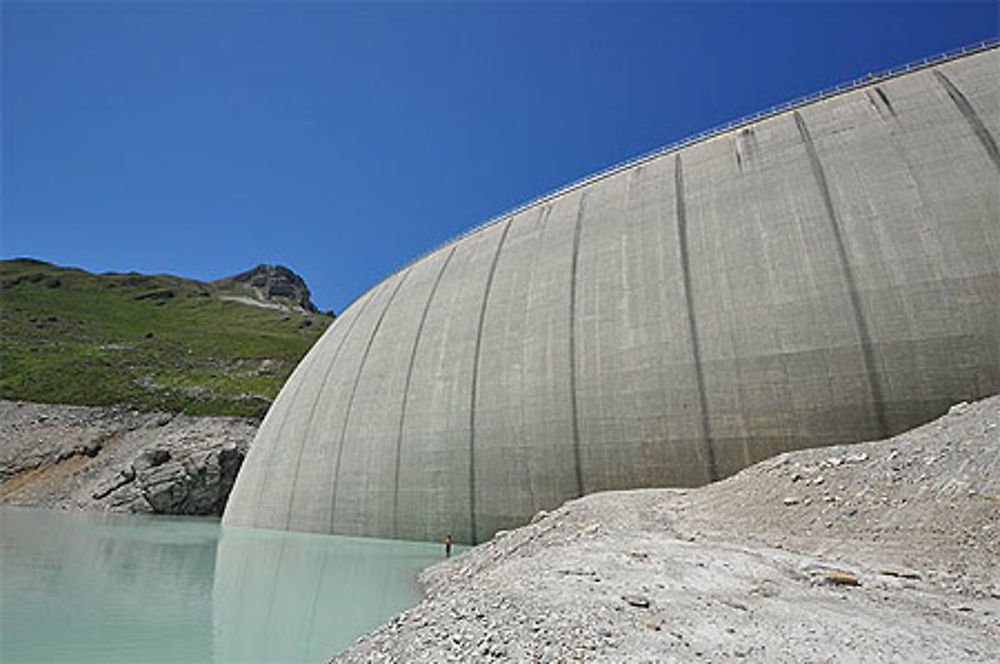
[[199, 484], [274, 283], [118, 459]]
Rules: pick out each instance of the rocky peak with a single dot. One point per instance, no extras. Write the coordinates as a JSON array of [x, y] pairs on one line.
[[274, 283]]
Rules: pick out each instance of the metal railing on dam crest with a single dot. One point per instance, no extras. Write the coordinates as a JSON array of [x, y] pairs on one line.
[[771, 111]]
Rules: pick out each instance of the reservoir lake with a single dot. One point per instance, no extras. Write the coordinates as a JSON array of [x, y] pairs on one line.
[[103, 587]]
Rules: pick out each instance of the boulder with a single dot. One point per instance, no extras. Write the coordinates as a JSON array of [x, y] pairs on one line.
[[196, 484]]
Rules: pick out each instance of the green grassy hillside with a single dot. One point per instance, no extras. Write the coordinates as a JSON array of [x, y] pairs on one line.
[[155, 342]]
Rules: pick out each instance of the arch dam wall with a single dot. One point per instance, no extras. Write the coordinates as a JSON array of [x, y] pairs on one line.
[[829, 274]]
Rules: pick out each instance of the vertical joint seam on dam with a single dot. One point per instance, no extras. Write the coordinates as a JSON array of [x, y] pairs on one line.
[[281, 427], [708, 449], [970, 115], [284, 419], [475, 381], [350, 400], [885, 100], [860, 320], [305, 439], [406, 388], [319, 395], [573, 412]]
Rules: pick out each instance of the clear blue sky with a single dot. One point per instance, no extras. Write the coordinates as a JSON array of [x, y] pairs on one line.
[[343, 140]]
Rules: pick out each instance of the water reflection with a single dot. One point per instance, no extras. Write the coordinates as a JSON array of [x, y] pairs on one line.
[[301, 598], [97, 587]]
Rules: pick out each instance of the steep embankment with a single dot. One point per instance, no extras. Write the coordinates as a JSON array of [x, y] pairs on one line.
[[155, 342], [882, 551], [118, 459]]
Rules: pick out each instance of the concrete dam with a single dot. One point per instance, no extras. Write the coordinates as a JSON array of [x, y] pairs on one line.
[[823, 274]]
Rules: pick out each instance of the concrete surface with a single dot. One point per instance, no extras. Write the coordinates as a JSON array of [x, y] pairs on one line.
[[827, 275]]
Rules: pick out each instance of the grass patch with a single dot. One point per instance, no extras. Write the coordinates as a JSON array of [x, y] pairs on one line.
[[156, 342]]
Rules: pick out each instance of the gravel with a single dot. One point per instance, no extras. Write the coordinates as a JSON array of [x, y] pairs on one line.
[[881, 551]]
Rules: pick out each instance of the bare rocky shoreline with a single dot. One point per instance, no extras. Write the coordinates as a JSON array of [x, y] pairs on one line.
[[116, 458], [881, 551], [884, 551]]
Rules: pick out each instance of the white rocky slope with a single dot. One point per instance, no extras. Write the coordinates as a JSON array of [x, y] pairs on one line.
[[886, 551], [115, 458]]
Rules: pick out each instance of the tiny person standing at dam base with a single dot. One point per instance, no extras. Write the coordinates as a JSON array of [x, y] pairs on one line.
[[448, 541]]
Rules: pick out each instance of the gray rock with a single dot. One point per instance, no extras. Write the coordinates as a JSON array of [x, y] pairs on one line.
[[118, 459], [638, 601], [151, 459], [107, 487], [274, 282], [197, 484]]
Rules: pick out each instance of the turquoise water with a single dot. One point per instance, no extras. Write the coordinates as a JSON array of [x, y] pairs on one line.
[[96, 587]]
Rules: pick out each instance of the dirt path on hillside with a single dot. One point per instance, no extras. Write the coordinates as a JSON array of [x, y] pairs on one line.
[[884, 551]]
